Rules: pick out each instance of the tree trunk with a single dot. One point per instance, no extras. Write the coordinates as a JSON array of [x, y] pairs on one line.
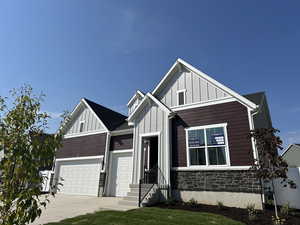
[[274, 197]]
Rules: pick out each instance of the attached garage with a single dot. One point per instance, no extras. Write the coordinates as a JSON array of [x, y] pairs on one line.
[[120, 175], [79, 177]]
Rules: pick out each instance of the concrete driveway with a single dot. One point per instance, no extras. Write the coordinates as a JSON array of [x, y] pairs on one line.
[[68, 206]]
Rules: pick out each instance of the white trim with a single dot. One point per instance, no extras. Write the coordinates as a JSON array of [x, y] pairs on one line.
[[211, 168], [134, 96], [165, 77], [141, 136], [107, 146], [167, 154], [135, 110], [165, 108], [121, 132], [121, 151], [240, 98], [151, 97], [84, 134], [203, 104], [251, 126], [206, 146], [82, 101], [150, 134], [79, 158], [184, 97], [95, 114], [68, 120], [207, 126]]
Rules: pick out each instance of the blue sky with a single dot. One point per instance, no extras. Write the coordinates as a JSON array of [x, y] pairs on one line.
[[105, 50]]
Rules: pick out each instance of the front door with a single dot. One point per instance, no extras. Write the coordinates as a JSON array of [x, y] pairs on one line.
[[150, 159]]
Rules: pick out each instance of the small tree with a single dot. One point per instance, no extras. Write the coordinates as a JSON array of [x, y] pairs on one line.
[[26, 149], [270, 166]]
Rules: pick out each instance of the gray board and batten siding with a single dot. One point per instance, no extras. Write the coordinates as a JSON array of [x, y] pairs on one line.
[[196, 89], [89, 119]]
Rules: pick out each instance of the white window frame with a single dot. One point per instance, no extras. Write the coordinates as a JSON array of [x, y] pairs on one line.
[[227, 155], [184, 97], [81, 122]]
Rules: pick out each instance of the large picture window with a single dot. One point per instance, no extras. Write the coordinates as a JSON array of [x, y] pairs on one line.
[[207, 145]]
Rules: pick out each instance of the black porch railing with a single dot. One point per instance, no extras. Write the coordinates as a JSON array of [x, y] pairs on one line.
[[151, 177]]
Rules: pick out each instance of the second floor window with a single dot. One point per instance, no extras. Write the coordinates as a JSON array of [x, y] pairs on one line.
[[181, 97], [81, 126]]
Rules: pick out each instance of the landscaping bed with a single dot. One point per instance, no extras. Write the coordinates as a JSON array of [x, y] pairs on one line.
[[238, 214]]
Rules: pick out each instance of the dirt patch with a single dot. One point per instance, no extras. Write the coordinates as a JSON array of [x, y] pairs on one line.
[[262, 217]]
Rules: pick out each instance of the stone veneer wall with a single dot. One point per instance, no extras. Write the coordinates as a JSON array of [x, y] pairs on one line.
[[216, 180], [101, 183]]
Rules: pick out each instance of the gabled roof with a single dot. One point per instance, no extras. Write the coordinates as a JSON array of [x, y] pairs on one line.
[[123, 126], [291, 147], [150, 97], [179, 62], [110, 118], [256, 98], [137, 93]]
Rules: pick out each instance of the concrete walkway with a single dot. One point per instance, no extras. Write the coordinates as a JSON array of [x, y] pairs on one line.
[[68, 206]]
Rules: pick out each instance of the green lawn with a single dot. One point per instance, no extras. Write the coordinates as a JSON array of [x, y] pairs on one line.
[[149, 216]]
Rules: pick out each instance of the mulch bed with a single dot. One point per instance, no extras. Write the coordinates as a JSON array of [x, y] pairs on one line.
[[263, 217]]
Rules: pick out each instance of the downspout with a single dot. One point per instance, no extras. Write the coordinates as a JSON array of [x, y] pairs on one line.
[[255, 152], [106, 164]]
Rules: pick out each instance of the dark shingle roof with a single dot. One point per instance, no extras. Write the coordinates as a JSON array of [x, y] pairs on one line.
[[255, 97], [123, 126], [110, 118]]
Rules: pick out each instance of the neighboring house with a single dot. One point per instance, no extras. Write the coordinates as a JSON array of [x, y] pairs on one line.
[[292, 155], [188, 138], [289, 194]]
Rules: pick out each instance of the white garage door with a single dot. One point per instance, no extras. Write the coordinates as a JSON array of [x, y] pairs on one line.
[[80, 177], [120, 173]]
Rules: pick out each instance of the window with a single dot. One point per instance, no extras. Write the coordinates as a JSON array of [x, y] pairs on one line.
[[81, 124], [181, 97], [207, 145]]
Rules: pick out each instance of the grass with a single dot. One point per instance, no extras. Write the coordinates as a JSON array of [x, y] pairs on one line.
[[149, 216]]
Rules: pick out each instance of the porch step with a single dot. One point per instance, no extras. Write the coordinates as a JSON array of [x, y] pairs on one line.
[[136, 186], [132, 194], [132, 197]]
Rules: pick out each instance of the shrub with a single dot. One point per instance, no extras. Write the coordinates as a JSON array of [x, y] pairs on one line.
[[278, 220], [285, 210], [220, 205], [192, 202], [170, 201], [252, 213]]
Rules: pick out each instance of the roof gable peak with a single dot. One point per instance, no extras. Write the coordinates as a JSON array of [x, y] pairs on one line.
[[181, 64], [150, 97], [136, 94]]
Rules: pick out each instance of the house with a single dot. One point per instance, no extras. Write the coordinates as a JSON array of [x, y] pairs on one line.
[[292, 155], [188, 138], [290, 194]]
